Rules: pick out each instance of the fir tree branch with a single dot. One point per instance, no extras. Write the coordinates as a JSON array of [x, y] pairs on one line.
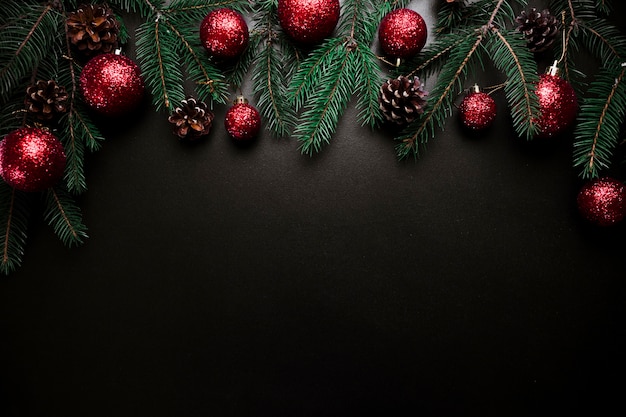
[[599, 121], [439, 102], [62, 213], [13, 226]]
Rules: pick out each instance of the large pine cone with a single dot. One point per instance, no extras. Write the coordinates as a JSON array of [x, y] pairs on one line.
[[539, 28], [46, 100], [402, 99], [93, 29], [191, 120]]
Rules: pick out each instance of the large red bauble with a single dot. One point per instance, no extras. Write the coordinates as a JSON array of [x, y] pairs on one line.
[[602, 201], [111, 84], [402, 33], [242, 121], [558, 105], [31, 159], [477, 110], [224, 34], [308, 21]]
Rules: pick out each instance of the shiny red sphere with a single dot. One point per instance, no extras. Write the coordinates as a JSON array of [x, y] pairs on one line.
[[602, 201], [224, 34], [402, 33], [477, 110], [112, 84], [31, 159], [558, 105], [243, 122], [308, 21]]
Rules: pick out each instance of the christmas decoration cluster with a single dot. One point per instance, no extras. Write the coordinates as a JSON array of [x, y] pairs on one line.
[[63, 66]]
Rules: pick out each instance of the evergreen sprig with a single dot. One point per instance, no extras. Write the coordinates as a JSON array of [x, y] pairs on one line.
[[64, 216], [14, 214]]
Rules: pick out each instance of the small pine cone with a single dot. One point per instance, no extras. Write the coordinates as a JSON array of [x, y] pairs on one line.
[[93, 29], [46, 100], [402, 99], [191, 120], [539, 28]]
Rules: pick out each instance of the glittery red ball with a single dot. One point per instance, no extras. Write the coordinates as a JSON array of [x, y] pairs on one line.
[[557, 105], [602, 201], [242, 121], [31, 159], [224, 34], [111, 84], [308, 21], [477, 110], [402, 33]]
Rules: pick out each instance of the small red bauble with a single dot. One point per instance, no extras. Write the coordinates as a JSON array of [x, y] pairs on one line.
[[242, 121], [402, 33], [111, 84], [558, 105], [602, 201], [477, 110], [308, 21], [224, 34], [31, 159]]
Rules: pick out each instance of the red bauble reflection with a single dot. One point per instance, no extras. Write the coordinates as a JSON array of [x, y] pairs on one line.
[[402, 33], [242, 121], [477, 110], [308, 21], [224, 34], [602, 201], [558, 105]]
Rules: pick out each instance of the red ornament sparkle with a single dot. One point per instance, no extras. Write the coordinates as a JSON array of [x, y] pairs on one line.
[[308, 21], [558, 105], [477, 110], [602, 201], [402, 33], [31, 159], [111, 84], [224, 34], [242, 121]]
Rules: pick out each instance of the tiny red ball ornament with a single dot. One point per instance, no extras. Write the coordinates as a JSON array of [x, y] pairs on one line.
[[558, 105], [242, 121], [308, 21], [602, 201], [477, 110], [112, 85], [224, 34], [31, 159], [402, 33]]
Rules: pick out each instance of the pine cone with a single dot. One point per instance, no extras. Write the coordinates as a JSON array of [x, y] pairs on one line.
[[46, 99], [539, 28], [402, 99], [191, 120], [93, 29]]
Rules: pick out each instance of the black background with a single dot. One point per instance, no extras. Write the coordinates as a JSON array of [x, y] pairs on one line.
[[229, 281]]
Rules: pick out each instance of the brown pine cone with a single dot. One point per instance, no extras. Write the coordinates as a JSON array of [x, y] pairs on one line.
[[402, 99], [191, 120], [93, 29], [539, 28], [46, 100]]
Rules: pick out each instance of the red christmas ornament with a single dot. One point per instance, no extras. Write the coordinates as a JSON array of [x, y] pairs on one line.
[[242, 121], [477, 110], [31, 159], [558, 105], [402, 33], [111, 84], [602, 201], [224, 34], [308, 21]]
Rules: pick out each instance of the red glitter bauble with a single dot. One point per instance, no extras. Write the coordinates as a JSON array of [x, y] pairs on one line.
[[557, 105], [477, 110], [602, 201], [308, 21], [402, 33], [242, 121], [224, 34], [31, 159], [111, 84]]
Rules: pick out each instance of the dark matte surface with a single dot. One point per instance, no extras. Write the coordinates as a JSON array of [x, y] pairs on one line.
[[226, 282]]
